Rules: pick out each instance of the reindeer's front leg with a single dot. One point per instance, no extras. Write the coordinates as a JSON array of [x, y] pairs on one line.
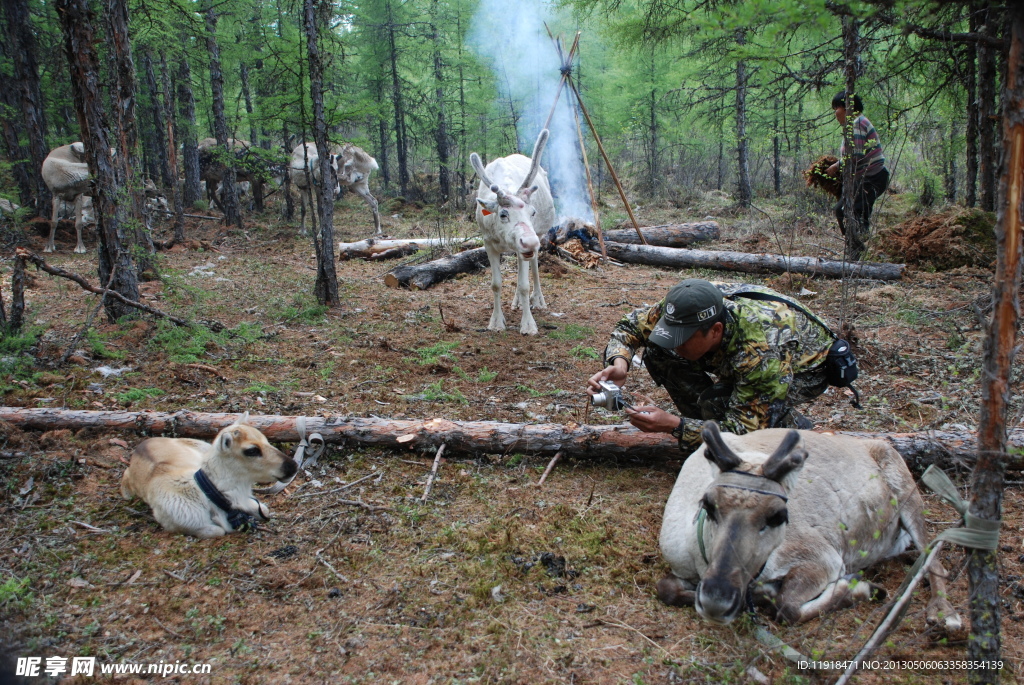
[[53, 226], [497, 317], [538, 297], [528, 326], [676, 592], [818, 587], [79, 222]]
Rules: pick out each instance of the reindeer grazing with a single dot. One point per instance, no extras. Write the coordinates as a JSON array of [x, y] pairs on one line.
[[510, 212], [354, 169], [793, 515], [66, 173], [212, 168], [304, 171]]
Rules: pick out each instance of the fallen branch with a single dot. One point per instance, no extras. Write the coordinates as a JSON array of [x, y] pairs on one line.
[[433, 473], [422, 276], [40, 263], [752, 263], [667, 235], [190, 216], [374, 248], [551, 465], [947, 449]]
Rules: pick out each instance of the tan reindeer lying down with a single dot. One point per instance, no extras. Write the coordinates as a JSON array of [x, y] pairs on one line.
[[203, 489], [793, 515]]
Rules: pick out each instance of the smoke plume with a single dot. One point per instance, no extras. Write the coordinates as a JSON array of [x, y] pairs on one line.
[[512, 40]]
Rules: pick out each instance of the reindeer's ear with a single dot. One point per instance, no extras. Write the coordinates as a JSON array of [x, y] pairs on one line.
[[487, 207], [244, 418], [226, 440], [715, 449], [787, 458], [78, 148]]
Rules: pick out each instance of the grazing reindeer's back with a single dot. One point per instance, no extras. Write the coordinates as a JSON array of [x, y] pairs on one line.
[[514, 203], [793, 515]]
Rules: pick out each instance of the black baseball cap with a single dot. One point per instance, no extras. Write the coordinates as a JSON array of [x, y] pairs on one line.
[[689, 305]]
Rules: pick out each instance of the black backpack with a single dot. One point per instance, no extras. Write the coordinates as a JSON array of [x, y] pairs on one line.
[[840, 364]]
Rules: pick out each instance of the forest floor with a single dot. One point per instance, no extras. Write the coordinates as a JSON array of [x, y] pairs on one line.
[[493, 579]]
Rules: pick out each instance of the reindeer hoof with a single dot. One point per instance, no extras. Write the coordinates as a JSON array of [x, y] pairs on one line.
[[80, 249]]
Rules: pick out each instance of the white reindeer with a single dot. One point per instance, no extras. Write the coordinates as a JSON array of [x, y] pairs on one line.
[[66, 173], [354, 169], [510, 212], [305, 167], [793, 515]]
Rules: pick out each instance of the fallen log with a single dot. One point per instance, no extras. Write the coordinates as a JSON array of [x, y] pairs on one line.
[[422, 276], [667, 235], [752, 263], [367, 249], [947, 449]]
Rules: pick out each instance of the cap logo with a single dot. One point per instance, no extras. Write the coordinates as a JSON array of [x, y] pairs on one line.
[[706, 314], [670, 308]]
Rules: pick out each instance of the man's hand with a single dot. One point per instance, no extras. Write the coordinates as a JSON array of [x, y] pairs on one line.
[[833, 170], [651, 419], [616, 373]]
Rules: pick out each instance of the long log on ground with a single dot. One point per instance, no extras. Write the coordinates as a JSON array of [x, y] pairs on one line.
[[667, 235], [422, 276], [752, 263], [367, 249], [944, 448]]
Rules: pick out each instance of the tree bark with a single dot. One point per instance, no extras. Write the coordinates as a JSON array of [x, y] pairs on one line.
[[398, 102], [751, 263], [11, 130], [422, 276], [971, 133], [947, 449], [441, 138], [326, 286], [126, 163], [172, 151], [987, 479], [228, 200], [986, 113], [185, 131], [159, 125], [78, 26], [852, 230], [746, 193], [367, 249], [667, 235], [22, 50]]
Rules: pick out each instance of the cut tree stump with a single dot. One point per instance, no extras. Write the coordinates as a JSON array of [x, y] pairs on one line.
[[422, 276], [667, 235], [370, 249], [947, 449], [751, 263]]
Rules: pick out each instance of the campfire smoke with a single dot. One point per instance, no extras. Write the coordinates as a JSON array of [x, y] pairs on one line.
[[512, 40]]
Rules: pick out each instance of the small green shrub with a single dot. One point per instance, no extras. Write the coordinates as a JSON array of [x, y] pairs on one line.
[[581, 352], [572, 332], [15, 594], [433, 354], [138, 394], [485, 375]]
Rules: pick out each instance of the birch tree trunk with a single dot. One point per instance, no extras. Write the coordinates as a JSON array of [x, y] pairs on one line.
[[989, 471], [78, 26], [326, 287]]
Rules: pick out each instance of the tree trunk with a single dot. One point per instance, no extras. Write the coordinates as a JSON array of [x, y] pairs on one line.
[[126, 163], [751, 263], [851, 222], [398, 103], [256, 182], [746, 193], [11, 130], [186, 133], [946, 449], [289, 201], [971, 134], [987, 479], [777, 156], [667, 235], [22, 50], [228, 199], [77, 24], [367, 249], [423, 276], [986, 114], [326, 287], [441, 131], [382, 135], [167, 179], [172, 150]]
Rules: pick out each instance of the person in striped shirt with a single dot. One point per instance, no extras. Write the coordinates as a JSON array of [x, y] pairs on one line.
[[871, 178]]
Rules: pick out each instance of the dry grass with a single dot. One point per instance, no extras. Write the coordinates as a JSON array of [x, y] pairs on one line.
[[469, 586]]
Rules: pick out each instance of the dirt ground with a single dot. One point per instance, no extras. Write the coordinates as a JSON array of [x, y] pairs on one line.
[[493, 579]]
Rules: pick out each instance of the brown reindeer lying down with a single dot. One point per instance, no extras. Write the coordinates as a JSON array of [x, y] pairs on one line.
[[793, 515], [203, 489]]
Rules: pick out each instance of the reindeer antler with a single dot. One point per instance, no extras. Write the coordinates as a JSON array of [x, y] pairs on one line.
[[474, 159], [538, 150], [503, 199]]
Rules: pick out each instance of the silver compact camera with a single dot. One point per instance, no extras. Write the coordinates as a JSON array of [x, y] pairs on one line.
[[610, 397]]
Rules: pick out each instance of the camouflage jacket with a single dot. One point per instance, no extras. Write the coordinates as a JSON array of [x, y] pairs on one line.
[[764, 345]]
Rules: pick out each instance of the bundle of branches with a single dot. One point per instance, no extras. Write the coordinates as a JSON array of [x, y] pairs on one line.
[[817, 176]]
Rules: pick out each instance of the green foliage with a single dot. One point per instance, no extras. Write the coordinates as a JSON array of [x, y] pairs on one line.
[[302, 308], [436, 393], [572, 332], [138, 395], [485, 375], [581, 352], [97, 345], [15, 594], [15, 362], [260, 388], [433, 354]]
